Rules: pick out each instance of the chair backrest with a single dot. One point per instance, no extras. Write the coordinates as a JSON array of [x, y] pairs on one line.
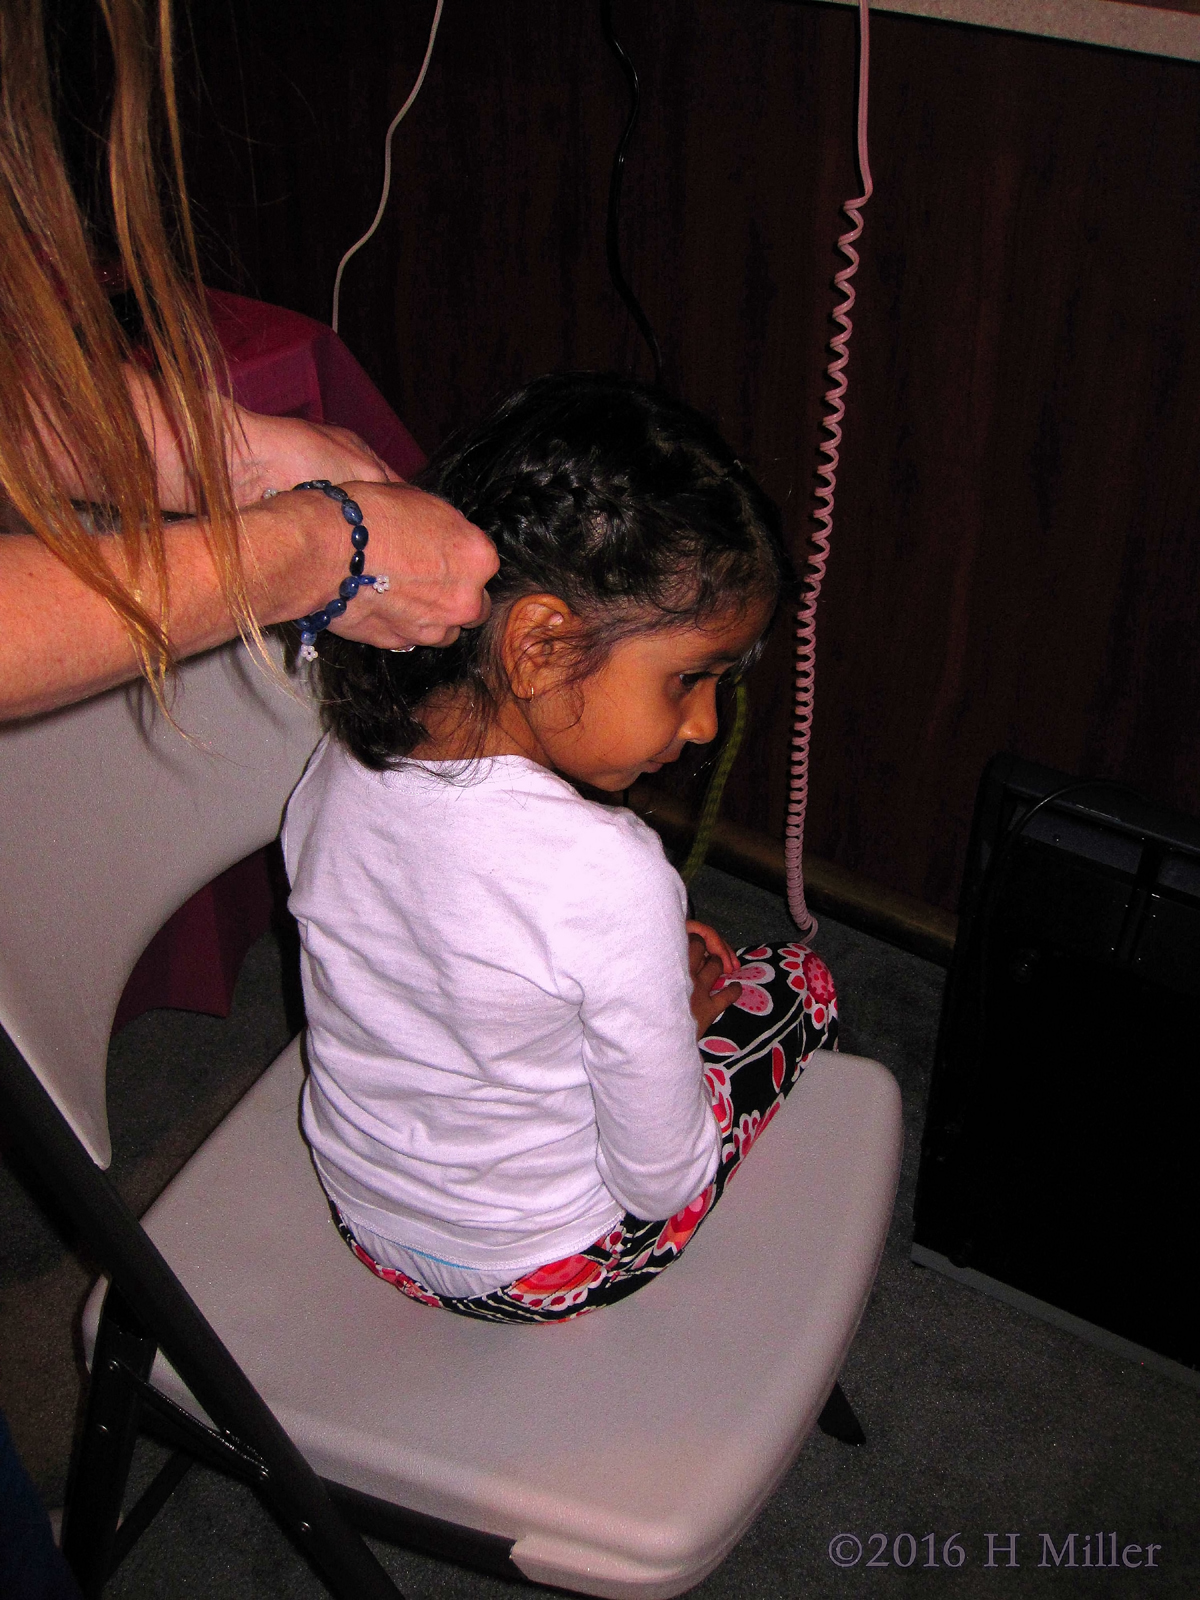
[[113, 818]]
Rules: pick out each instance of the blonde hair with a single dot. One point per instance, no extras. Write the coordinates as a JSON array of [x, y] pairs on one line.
[[62, 352]]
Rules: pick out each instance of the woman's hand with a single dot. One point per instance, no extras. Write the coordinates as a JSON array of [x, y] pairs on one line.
[[707, 966], [436, 563]]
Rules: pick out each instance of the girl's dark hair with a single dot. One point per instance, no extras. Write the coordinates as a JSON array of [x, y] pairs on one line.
[[626, 504]]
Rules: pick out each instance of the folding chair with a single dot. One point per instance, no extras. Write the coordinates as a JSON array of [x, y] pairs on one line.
[[622, 1454]]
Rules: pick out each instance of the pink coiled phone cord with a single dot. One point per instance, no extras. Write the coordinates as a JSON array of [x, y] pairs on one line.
[[806, 616]]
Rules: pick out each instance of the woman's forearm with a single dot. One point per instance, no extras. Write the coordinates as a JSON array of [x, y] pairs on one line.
[[61, 641]]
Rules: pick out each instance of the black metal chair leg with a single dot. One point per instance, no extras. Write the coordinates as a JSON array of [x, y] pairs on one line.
[[139, 1517], [285, 1480], [839, 1421], [100, 1466]]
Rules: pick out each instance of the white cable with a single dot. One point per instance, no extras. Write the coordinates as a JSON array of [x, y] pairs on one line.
[[387, 163]]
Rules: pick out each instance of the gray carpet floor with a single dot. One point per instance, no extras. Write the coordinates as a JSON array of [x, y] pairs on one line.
[[980, 1419]]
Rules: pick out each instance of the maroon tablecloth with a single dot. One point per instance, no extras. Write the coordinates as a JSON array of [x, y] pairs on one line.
[[282, 364]]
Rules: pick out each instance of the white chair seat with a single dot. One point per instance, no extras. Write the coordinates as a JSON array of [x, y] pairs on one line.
[[625, 1452]]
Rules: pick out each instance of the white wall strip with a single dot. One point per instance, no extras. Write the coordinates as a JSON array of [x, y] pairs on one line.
[[1150, 30]]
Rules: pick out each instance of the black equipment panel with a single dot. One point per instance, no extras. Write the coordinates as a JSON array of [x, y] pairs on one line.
[[1061, 1145]]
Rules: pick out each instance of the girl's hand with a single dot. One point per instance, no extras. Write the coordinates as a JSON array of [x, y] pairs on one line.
[[715, 945], [707, 968]]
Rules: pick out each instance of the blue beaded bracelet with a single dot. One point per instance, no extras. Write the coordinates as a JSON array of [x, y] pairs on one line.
[[313, 624]]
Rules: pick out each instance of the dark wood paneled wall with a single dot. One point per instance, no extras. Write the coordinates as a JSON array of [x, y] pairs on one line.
[[1016, 559]]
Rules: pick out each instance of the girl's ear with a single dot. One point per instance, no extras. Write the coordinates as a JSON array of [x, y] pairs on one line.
[[531, 645]]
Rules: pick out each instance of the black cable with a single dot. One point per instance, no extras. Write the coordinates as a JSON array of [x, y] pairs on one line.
[[615, 271]]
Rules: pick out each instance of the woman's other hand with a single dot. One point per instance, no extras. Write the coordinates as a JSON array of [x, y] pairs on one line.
[[264, 452], [277, 452], [707, 968]]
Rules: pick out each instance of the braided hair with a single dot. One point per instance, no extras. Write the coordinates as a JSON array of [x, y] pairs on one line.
[[624, 503]]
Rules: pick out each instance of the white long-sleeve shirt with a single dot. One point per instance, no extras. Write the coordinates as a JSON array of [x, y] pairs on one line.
[[496, 983]]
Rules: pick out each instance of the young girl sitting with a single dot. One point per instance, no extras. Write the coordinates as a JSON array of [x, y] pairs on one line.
[[507, 1106]]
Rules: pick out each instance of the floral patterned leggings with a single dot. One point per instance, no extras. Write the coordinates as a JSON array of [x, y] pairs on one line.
[[755, 1053]]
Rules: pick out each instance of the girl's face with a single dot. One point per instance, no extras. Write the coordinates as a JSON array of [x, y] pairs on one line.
[[656, 693]]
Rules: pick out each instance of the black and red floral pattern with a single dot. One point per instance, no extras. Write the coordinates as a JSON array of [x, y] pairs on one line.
[[751, 1059]]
